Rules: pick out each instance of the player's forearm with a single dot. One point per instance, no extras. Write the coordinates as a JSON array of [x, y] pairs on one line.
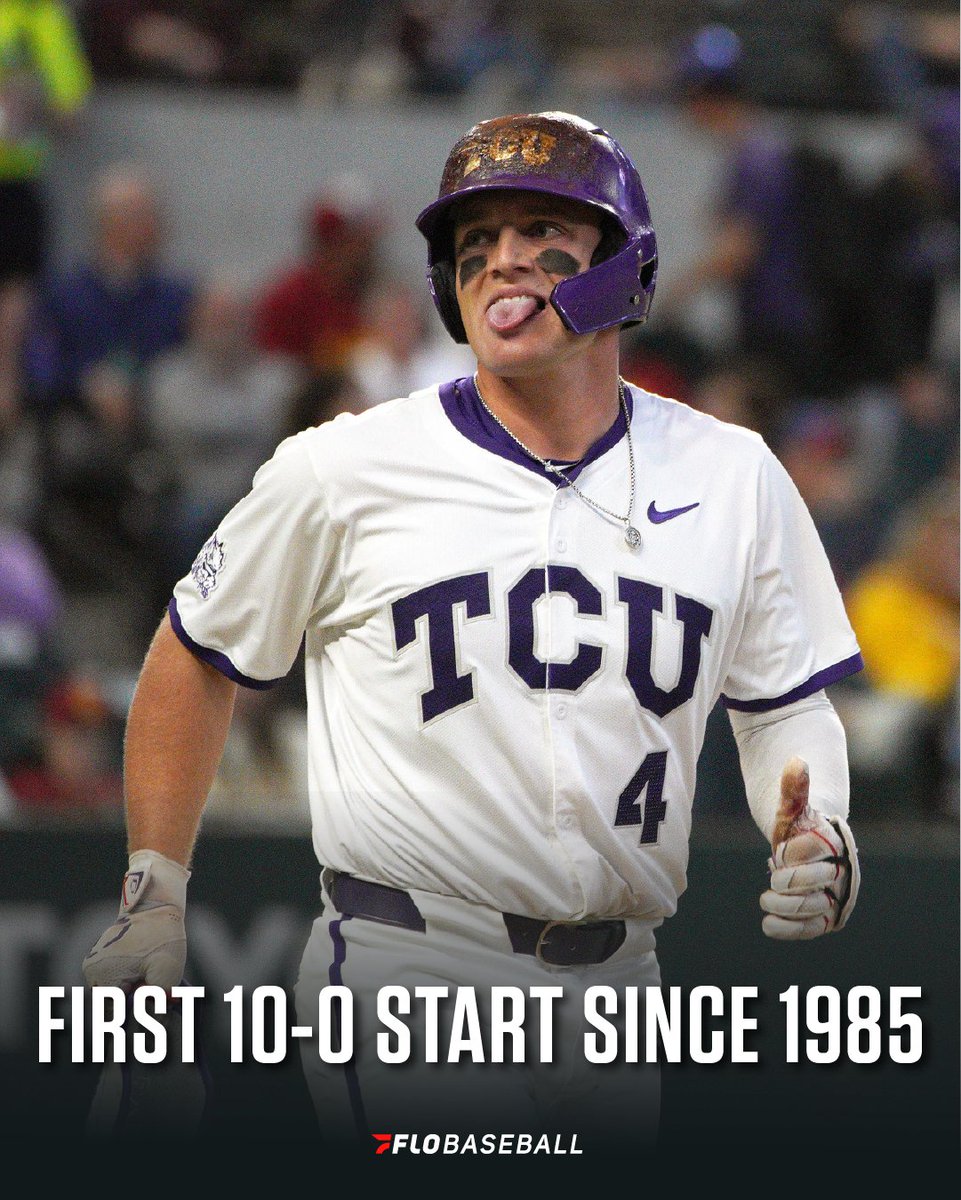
[[176, 731], [809, 729]]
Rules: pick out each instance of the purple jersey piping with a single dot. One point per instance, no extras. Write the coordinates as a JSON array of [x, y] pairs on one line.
[[821, 679], [214, 657], [467, 414]]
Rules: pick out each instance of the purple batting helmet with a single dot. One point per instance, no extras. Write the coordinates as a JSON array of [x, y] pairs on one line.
[[561, 155]]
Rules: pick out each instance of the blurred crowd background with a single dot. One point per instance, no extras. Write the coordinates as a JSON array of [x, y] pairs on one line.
[[816, 301]]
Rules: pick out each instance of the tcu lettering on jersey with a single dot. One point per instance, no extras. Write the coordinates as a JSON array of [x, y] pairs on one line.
[[437, 604]]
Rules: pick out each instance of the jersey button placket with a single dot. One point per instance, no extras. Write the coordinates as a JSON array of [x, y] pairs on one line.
[[561, 704], [561, 524], [561, 707]]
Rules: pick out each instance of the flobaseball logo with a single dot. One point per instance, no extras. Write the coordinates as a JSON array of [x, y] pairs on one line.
[[473, 1143]]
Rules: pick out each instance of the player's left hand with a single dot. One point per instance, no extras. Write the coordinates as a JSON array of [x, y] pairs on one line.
[[814, 865]]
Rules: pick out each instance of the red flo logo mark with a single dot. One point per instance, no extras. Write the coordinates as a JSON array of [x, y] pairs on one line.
[[384, 1139]]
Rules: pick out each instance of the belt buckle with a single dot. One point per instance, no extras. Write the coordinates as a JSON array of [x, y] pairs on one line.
[[543, 935]]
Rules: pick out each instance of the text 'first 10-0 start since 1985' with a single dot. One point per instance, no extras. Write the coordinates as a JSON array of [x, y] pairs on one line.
[[435, 1024]]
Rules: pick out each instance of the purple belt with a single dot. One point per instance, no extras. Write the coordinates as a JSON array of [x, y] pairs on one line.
[[560, 943]]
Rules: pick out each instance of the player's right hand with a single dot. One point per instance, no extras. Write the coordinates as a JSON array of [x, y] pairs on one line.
[[148, 942], [814, 868]]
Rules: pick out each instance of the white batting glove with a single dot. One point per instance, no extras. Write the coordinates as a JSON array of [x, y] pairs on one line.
[[814, 868], [147, 943]]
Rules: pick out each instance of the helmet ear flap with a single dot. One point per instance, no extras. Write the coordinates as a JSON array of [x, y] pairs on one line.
[[442, 286]]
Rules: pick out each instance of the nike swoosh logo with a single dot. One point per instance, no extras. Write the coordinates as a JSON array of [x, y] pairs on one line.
[[669, 514]]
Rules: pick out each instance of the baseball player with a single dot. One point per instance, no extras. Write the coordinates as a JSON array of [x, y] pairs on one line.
[[522, 594]]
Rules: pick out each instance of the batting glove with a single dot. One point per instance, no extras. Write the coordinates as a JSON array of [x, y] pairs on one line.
[[814, 868], [147, 943]]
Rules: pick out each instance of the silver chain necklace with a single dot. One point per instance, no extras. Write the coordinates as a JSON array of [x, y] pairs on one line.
[[631, 535]]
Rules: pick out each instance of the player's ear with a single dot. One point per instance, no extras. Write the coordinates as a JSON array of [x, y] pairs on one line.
[[443, 286]]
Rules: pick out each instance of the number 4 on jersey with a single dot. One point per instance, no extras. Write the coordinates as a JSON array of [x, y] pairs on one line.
[[650, 776]]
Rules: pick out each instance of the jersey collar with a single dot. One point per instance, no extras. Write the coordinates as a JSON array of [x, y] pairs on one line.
[[467, 414]]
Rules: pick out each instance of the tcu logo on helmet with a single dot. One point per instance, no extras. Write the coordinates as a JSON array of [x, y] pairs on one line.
[[533, 146], [436, 603]]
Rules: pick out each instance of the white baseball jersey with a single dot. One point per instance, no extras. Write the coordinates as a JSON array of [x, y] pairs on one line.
[[506, 702]]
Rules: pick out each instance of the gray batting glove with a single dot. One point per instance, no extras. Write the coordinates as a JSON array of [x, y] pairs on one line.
[[815, 875], [147, 943]]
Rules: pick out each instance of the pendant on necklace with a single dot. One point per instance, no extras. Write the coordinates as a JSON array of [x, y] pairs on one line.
[[632, 537]]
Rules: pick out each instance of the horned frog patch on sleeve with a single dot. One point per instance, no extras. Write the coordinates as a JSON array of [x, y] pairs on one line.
[[207, 565]]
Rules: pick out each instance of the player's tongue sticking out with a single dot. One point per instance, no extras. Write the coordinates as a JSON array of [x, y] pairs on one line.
[[511, 311]]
